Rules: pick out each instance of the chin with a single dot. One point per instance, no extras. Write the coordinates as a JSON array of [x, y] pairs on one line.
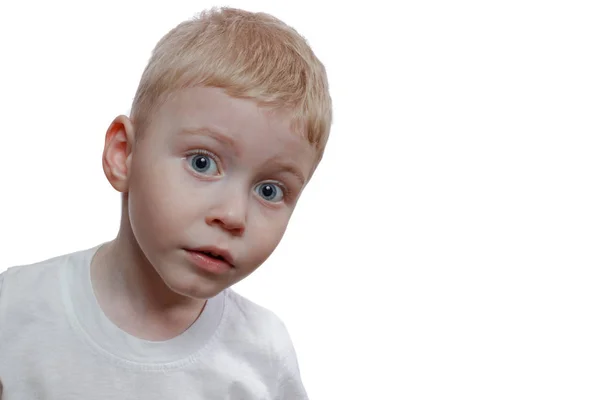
[[198, 290], [203, 293]]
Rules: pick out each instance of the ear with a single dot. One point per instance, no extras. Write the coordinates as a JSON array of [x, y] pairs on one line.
[[116, 158]]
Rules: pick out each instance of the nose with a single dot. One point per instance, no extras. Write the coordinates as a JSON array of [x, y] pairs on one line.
[[230, 214]]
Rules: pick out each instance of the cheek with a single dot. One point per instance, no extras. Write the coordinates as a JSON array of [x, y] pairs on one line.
[[265, 235], [155, 203]]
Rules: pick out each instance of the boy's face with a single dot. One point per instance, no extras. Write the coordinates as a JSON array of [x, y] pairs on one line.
[[217, 173]]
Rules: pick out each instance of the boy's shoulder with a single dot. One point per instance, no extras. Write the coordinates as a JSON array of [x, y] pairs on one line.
[[37, 272], [34, 270], [255, 323], [26, 289], [32, 297], [263, 338]]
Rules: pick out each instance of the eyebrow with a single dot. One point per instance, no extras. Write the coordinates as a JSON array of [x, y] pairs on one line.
[[283, 166], [214, 134]]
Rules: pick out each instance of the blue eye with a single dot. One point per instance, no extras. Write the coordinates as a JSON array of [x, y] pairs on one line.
[[270, 192], [203, 164]]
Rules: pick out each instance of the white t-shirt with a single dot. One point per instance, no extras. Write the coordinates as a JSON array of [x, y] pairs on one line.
[[57, 344]]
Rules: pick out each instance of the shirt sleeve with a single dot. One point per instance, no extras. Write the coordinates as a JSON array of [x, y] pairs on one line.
[[290, 386], [290, 383]]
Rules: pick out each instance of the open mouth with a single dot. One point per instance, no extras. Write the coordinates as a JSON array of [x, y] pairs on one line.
[[212, 255], [210, 260]]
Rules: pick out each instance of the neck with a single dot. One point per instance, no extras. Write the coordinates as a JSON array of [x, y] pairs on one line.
[[133, 295]]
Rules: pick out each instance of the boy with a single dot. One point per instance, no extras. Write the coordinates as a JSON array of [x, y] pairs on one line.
[[228, 124]]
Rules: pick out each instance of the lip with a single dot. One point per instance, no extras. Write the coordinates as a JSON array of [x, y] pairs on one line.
[[210, 264], [215, 250]]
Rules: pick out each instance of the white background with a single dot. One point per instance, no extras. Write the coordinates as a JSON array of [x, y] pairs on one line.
[[447, 247]]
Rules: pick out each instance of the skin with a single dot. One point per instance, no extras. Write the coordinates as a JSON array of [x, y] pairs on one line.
[[196, 177]]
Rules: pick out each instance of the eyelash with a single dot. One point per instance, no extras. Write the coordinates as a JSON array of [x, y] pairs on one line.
[[206, 153], [286, 192], [284, 188]]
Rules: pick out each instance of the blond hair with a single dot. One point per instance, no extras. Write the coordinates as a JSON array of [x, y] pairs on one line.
[[249, 55]]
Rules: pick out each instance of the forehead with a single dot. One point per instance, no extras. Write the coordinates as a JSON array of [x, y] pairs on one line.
[[242, 120]]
